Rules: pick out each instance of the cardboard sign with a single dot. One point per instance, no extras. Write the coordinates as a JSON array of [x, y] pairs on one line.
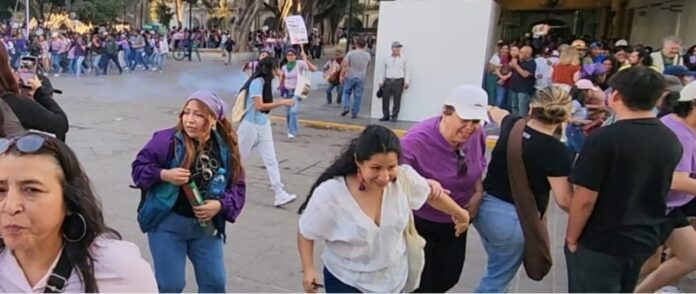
[[296, 29]]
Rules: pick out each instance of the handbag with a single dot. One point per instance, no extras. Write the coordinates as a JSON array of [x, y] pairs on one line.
[[537, 254], [380, 92], [238, 110], [415, 246]]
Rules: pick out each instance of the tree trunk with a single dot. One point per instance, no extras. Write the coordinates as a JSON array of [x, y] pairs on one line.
[[178, 4], [243, 22]]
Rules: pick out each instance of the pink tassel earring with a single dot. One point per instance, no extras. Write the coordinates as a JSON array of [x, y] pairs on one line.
[[362, 186]]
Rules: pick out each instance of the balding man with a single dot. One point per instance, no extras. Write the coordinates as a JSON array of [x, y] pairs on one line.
[[669, 55], [522, 82]]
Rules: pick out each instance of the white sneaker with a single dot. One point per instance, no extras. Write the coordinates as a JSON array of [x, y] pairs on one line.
[[669, 289], [283, 198], [291, 136], [56, 75]]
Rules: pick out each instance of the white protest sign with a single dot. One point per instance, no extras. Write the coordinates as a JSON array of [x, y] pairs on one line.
[[296, 29]]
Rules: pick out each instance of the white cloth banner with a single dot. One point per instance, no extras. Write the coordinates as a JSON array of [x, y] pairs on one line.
[[296, 29]]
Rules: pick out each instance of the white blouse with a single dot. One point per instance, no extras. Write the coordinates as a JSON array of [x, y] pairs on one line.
[[118, 268], [359, 253]]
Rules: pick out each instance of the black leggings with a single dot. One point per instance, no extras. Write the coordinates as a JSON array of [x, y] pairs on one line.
[[444, 256]]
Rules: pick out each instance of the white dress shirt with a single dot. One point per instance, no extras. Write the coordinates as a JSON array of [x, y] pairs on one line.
[[395, 68], [118, 268], [358, 252]]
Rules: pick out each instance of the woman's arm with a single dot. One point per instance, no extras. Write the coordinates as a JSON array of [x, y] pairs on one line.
[[233, 200], [310, 66], [152, 160], [446, 204], [261, 106], [309, 274], [681, 181], [562, 191], [497, 115], [41, 113]]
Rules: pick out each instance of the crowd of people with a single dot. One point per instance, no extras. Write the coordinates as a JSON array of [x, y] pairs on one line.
[[392, 213]]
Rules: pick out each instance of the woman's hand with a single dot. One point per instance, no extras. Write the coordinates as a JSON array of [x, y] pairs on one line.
[[461, 222], [176, 176], [436, 190], [309, 280], [207, 210]]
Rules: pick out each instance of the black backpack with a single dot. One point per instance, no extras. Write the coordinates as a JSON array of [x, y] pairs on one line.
[[229, 45]]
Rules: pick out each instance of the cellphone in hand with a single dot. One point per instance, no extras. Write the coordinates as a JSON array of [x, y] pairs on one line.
[[27, 68]]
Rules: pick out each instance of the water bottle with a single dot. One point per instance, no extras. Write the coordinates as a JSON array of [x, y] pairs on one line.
[[217, 185]]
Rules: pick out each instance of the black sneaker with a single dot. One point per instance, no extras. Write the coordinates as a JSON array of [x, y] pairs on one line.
[[354, 116], [384, 119], [345, 112], [394, 119]]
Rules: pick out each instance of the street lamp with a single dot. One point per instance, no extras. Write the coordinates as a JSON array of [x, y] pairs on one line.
[[190, 36], [350, 24], [26, 13]]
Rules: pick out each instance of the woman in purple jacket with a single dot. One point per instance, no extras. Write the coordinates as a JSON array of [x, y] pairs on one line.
[[201, 151]]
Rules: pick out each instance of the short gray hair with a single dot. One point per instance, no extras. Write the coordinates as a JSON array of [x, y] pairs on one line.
[[673, 39]]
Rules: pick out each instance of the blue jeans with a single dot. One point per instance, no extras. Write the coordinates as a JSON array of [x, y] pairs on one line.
[[576, 137], [500, 97], [520, 102], [334, 285], [55, 61], [339, 93], [177, 237], [128, 57], [291, 112], [139, 59], [78, 64], [491, 87], [356, 87], [502, 238]]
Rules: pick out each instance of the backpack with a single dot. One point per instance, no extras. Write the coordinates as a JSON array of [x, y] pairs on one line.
[[111, 47], [229, 45], [238, 110]]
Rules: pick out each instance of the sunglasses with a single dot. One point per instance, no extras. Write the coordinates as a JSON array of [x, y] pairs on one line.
[[462, 167], [30, 143]]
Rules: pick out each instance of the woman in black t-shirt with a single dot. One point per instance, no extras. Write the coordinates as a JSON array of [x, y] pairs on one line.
[[547, 162]]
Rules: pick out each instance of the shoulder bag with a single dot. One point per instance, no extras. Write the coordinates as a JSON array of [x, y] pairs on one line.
[[537, 255], [415, 245]]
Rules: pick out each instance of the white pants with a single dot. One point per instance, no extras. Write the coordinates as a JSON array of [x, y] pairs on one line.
[[260, 137]]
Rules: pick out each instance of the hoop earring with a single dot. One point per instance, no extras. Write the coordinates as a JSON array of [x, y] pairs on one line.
[[67, 224], [362, 187]]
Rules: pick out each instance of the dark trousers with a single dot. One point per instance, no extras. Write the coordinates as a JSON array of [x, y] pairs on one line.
[[392, 88], [444, 256], [591, 271], [334, 285], [105, 62]]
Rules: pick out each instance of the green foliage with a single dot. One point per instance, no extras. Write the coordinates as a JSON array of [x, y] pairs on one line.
[[98, 11], [164, 14]]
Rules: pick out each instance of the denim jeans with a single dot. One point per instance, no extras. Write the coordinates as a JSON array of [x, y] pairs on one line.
[[71, 65], [291, 112], [96, 63], [55, 63], [491, 87], [520, 102], [356, 87], [502, 238], [501, 97], [334, 285], [177, 237], [139, 59], [78, 65], [576, 138], [339, 93], [128, 57]]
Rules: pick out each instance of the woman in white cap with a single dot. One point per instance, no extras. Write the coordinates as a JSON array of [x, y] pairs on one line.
[[547, 163], [682, 239], [201, 153], [450, 149]]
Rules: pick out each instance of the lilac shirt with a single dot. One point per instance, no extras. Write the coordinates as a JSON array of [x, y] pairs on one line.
[[687, 138], [427, 151], [291, 76]]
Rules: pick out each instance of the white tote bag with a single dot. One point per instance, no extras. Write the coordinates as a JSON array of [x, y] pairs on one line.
[[415, 245], [304, 85]]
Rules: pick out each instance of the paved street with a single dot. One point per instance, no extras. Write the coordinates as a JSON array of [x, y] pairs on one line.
[[112, 117]]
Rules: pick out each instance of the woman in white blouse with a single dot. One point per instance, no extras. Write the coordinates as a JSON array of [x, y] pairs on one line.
[[360, 209], [53, 236]]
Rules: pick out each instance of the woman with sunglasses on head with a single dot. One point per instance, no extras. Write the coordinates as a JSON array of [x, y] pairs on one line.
[[450, 149], [292, 70], [360, 208], [20, 112], [200, 153], [52, 226], [547, 163]]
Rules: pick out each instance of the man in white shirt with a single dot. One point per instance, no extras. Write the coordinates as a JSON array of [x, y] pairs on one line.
[[395, 80], [669, 55]]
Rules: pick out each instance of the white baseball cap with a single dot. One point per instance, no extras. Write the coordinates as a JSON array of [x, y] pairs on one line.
[[688, 93], [620, 43], [469, 102]]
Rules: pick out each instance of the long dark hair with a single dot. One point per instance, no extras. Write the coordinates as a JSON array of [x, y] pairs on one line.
[[79, 197], [266, 70], [375, 139]]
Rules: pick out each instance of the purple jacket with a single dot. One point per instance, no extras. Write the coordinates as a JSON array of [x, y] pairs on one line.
[[158, 154]]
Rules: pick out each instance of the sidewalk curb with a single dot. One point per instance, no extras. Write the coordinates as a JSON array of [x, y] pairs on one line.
[[490, 140]]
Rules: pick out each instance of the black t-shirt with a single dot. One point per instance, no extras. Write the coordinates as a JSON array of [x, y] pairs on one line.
[[524, 85], [630, 164], [182, 206], [544, 156]]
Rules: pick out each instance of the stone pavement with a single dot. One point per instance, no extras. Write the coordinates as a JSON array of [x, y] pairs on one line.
[[112, 117]]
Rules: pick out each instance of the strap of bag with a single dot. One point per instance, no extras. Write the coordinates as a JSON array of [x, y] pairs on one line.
[[61, 273], [537, 255]]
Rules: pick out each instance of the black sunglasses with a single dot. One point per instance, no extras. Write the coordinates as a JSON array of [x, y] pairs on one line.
[[29, 143], [462, 168]]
